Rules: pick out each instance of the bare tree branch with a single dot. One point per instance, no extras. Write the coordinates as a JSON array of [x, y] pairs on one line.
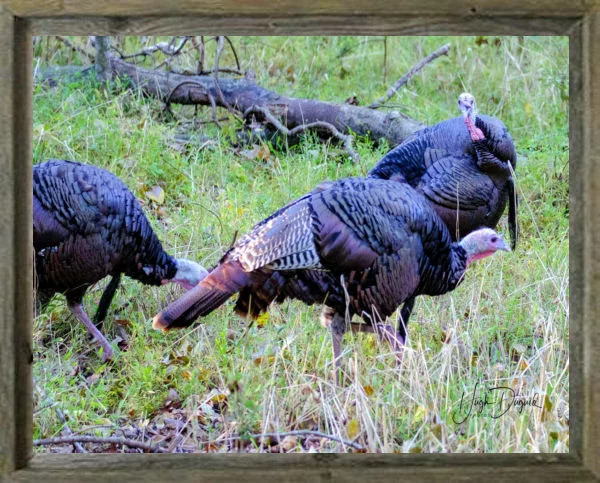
[[224, 70], [235, 56], [153, 448], [170, 51], [75, 48], [61, 417], [408, 76], [299, 432], [241, 94], [221, 98], [167, 48], [99, 440], [200, 47]]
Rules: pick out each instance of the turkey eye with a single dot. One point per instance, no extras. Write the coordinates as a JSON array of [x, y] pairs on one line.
[[494, 239]]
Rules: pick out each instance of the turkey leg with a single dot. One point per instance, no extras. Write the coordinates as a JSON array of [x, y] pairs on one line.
[[336, 323], [77, 310]]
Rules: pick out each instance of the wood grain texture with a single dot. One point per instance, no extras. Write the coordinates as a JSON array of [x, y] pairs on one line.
[[576, 234], [36, 8], [295, 467], [7, 282], [15, 249], [591, 243], [391, 24], [23, 240], [285, 17]]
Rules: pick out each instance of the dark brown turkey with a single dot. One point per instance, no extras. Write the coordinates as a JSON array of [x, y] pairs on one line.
[[463, 167], [88, 225], [357, 245]]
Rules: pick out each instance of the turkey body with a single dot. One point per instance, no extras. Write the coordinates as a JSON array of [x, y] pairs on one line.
[[87, 225], [467, 182], [357, 245], [379, 242]]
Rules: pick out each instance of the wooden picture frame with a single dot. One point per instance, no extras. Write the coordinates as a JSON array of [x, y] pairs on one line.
[[19, 19]]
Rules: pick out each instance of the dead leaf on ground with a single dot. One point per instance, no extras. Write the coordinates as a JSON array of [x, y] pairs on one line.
[[216, 398], [262, 319], [264, 360], [172, 399], [353, 428], [156, 194], [290, 75], [436, 430], [289, 443], [368, 390], [261, 153], [93, 378]]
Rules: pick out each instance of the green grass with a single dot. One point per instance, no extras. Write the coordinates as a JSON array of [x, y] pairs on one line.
[[506, 325]]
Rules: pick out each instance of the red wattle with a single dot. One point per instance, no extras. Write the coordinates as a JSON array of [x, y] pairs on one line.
[[474, 131]]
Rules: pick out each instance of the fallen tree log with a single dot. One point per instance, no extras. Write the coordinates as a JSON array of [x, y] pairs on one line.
[[245, 96]]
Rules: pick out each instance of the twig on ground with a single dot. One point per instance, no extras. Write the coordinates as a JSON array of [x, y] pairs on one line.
[[213, 105], [299, 432], [61, 417], [99, 440], [43, 408], [346, 139], [75, 48], [408, 76]]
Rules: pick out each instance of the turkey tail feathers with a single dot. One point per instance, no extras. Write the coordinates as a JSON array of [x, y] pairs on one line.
[[209, 294], [197, 302]]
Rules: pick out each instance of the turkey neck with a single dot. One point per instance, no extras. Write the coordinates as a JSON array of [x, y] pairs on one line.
[[151, 263]]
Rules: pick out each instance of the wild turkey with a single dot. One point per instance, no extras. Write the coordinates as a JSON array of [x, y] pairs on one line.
[[357, 245], [87, 225], [462, 167]]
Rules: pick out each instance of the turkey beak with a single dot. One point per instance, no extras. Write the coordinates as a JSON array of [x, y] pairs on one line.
[[502, 245], [466, 110]]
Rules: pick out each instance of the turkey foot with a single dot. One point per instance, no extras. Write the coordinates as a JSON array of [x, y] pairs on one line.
[[77, 310]]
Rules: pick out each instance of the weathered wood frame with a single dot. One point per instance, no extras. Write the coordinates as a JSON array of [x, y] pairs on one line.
[[579, 19]]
